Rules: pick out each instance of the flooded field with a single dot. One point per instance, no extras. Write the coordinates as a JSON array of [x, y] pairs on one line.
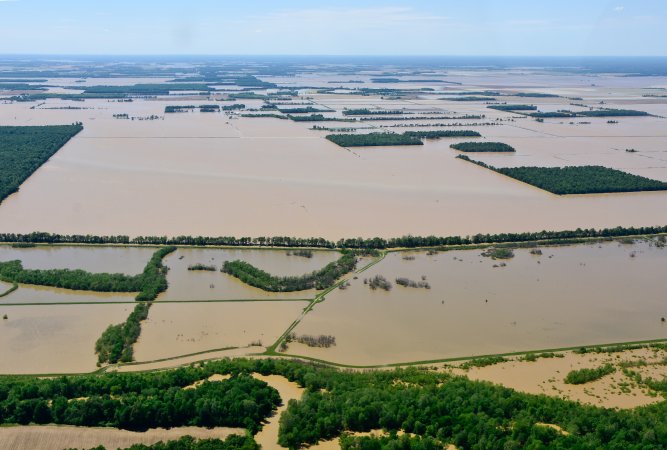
[[568, 296], [184, 284], [54, 339], [187, 284], [27, 294], [176, 329], [116, 259], [220, 174]]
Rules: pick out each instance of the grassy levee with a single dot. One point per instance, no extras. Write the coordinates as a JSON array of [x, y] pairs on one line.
[[468, 358], [170, 358]]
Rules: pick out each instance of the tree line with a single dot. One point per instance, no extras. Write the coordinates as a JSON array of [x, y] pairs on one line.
[[510, 108], [373, 139], [117, 341], [436, 134], [318, 279], [407, 241], [605, 112]]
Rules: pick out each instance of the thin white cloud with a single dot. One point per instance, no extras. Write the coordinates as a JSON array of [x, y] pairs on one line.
[[346, 17], [619, 8]]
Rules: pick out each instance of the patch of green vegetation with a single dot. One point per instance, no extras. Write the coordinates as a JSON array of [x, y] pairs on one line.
[[532, 357], [534, 94], [605, 112], [318, 279], [24, 149], [20, 87], [499, 253], [148, 88], [148, 284], [472, 147], [577, 179], [138, 401], [373, 139], [471, 98], [317, 118], [275, 116], [117, 341], [510, 108], [393, 441], [582, 376], [203, 267], [233, 107], [483, 362]]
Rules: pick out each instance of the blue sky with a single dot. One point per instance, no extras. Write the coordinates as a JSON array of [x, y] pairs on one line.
[[361, 27]]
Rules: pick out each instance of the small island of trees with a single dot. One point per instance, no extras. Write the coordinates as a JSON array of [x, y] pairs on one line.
[[479, 147], [373, 139], [319, 279]]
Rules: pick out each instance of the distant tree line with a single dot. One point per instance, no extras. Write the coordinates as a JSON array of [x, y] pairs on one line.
[[373, 139], [304, 110], [471, 98], [371, 112], [436, 134], [605, 112], [275, 116], [148, 88], [472, 147], [510, 108]]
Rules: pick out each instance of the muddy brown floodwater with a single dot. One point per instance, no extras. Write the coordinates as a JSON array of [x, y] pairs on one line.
[[54, 339], [568, 296], [174, 329], [211, 174]]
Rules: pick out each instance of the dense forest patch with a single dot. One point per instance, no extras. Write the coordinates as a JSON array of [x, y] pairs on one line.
[[373, 139], [24, 149], [577, 179], [473, 147]]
